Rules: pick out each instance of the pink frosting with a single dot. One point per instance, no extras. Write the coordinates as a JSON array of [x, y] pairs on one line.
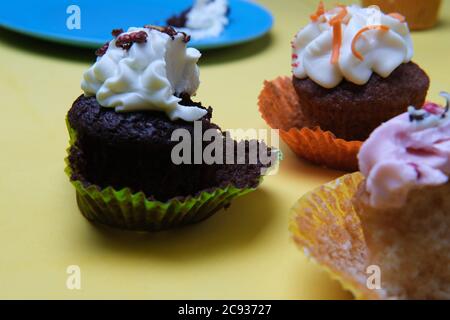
[[409, 151]]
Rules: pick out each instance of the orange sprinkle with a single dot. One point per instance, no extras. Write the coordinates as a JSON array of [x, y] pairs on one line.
[[340, 16], [336, 23], [337, 42], [397, 16], [360, 32], [319, 12]]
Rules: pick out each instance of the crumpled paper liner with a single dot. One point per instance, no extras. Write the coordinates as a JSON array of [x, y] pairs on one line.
[[324, 224], [134, 211], [279, 107]]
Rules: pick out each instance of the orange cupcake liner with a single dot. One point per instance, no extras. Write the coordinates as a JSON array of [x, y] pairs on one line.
[[279, 107], [325, 225]]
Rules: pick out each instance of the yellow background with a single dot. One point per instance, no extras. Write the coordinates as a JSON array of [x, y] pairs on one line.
[[244, 252]]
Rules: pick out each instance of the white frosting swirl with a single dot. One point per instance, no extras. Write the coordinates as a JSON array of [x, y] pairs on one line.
[[147, 76], [206, 19], [382, 51]]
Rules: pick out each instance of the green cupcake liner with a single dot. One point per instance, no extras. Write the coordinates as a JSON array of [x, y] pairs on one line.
[[134, 211]]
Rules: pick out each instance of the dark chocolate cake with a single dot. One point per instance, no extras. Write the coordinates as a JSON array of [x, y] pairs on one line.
[[352, 111], [134, 150]]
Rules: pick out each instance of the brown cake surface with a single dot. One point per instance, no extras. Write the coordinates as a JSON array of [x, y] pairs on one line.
[[353, 111], [133, 150]]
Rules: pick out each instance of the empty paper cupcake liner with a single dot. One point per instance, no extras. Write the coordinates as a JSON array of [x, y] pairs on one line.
[[279, 107], [325, 225]]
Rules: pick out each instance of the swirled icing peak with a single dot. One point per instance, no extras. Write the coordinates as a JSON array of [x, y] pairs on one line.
[[409, 151], [350, 42], [145, 69]]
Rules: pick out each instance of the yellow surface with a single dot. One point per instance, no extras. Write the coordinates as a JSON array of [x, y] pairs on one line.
[[244, 252]]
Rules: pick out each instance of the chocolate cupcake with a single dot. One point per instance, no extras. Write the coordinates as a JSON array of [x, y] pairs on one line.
[[205, 19], [352, 70], [126, 131]]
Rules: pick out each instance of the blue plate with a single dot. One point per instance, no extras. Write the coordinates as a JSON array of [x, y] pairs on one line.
[[48, 20]]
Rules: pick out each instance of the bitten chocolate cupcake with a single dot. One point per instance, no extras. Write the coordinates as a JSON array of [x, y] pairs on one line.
[[205, 19], [352, 70], [124, 156]]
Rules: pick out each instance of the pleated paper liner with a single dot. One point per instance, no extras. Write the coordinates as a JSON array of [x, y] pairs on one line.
[[135, 211], [324, 224], [279, 107]]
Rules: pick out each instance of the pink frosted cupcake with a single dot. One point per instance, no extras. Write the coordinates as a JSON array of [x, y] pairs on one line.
[[404, 203], [385, 232]]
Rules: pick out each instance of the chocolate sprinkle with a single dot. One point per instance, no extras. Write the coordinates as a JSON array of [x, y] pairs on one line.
[[126, 41], [169, 31], [101, 51], [116, 32], [416, 117]]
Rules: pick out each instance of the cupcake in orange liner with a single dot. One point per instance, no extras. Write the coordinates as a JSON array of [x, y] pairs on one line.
[[279, 107], [352, 71], [421, 14], [391, 216]]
